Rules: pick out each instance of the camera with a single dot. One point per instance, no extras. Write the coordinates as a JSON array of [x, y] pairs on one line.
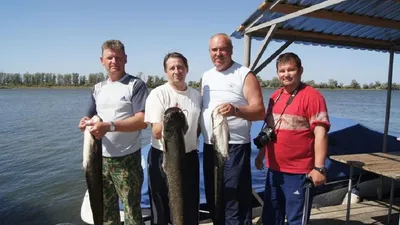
[[266, 136]]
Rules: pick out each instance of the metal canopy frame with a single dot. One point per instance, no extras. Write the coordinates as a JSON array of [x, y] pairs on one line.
[[385, 39]]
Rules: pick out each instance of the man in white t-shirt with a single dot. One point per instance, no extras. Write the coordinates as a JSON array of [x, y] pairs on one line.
[[237, 91], [174, 93]]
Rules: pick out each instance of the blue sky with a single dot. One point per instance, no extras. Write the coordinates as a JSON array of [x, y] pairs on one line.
[[65, 37]]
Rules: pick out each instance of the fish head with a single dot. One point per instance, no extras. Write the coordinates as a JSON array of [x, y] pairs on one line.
[[96, 118], [90, 123], [216, 117], [175, 119]]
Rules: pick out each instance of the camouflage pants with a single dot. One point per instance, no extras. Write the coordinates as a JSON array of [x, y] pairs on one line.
[[123, 178]]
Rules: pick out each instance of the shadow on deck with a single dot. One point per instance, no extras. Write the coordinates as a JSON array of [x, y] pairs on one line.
[[366, 212]]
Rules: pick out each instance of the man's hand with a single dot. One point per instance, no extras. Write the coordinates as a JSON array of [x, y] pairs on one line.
[[317, 178], [226, 109], [82, 123], [258, 162], [98, 129], [157, 130]]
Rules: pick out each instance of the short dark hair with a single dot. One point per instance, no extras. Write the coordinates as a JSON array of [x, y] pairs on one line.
[[287, 57], [113, 45], [175, 55]]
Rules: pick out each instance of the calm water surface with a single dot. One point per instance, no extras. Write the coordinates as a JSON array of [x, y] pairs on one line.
[[41, 181]]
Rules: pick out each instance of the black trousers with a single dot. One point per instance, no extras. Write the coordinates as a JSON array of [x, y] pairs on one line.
[[158, 189], [237, 192]]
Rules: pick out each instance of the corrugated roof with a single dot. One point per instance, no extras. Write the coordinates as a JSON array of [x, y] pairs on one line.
[[357, 24]]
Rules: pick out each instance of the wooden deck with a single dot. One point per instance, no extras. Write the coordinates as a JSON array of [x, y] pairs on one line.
[[367, 212]]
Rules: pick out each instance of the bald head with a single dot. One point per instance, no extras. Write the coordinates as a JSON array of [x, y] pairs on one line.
[[221, 51], [222, 37]]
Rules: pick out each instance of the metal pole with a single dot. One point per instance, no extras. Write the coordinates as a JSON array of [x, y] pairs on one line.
[[247, 50], [388, 100]]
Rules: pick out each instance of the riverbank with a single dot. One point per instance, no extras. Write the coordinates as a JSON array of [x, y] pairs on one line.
[[45, 87], [87, 87]]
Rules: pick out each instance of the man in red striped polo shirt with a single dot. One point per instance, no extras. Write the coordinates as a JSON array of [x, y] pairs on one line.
[[298, 115]]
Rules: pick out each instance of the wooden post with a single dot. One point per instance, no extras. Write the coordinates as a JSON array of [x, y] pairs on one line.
[[388, 100], [247, 50], [387, 117]]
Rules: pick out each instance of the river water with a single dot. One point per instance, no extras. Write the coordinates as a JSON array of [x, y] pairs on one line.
[[41, 181]]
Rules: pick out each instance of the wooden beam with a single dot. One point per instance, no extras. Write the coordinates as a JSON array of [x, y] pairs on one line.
[[247, 50], [321, 38], [267, 39], [388, 101], [336, 16], [265, 5], [295, 14], [272, 57]]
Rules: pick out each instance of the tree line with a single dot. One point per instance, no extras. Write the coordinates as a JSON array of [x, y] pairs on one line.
[[152, 81], [332, 84]]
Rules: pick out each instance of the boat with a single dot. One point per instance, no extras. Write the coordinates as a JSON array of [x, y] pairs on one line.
[[346, 136]]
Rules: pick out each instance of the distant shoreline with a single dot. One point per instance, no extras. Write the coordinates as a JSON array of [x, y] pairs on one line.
[[45, 87], [88, 87]]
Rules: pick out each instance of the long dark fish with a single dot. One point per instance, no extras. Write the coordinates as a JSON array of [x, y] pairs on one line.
[[220, 140], [175, 127], [92, 165]]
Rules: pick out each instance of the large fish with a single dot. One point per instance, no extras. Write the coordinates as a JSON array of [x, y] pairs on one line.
[[220, 140], [175, 127], [92, 165]]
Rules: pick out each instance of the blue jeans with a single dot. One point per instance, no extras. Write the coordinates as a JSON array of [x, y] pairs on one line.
[[237, 184], [284, 195]]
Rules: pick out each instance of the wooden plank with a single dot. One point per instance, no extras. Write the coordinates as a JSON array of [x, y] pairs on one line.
[[364, 212], [370, 218], [366, 209], [368, 158], [385, 164], [337, 16], [295, 14]]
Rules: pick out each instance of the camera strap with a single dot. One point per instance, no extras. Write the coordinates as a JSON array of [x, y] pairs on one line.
[[289, 101]]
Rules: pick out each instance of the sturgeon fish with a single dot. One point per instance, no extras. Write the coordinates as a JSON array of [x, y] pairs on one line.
[[220, 140], [175, 127], [92, 166]]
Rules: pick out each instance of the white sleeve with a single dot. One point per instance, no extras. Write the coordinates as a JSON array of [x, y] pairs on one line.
[[154, 108]]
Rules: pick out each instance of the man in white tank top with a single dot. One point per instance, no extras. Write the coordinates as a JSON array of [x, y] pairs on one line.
[[174, 93], [237, 91]]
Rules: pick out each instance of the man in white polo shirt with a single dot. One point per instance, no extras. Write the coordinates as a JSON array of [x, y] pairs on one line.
[[120, 102], [174, 93]]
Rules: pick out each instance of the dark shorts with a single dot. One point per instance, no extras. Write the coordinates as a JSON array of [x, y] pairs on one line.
[[237, 189], [284, 196]]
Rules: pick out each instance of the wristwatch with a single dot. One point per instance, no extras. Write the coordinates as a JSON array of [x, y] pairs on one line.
[[112, 126], [236, 109], [321, 169]]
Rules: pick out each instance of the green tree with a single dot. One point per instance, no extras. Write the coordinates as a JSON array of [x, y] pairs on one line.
[[354, 84]]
